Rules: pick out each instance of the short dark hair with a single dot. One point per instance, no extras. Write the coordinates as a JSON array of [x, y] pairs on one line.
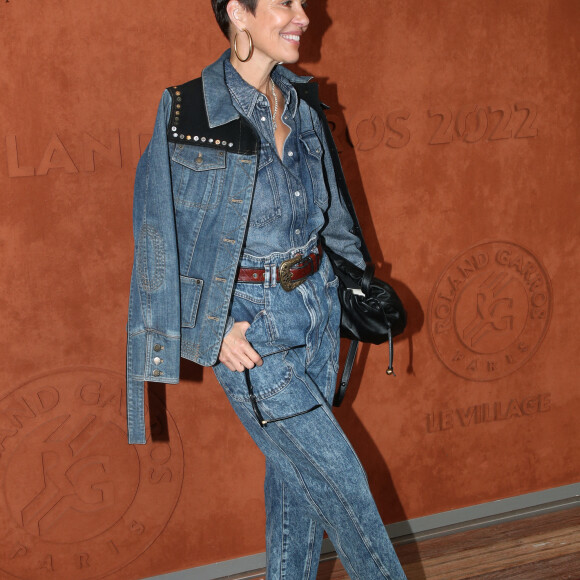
[[221, 14]]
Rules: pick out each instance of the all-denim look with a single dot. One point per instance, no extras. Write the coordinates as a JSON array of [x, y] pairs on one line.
[[200, 213]]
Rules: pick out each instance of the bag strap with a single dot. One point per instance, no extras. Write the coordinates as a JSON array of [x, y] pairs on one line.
[[349, 363], [350, 357]]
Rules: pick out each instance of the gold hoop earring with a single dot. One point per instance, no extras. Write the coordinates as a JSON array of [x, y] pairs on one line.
[[250, 40]]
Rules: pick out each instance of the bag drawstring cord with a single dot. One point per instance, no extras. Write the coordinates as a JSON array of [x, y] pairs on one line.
[[390, 370]]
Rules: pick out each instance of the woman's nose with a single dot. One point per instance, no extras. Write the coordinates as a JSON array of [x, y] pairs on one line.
[[301, 19]]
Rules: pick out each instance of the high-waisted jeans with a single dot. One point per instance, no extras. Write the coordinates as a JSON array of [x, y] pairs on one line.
[[314, 479]]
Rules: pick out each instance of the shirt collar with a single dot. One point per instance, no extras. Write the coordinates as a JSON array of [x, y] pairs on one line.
[[287, 89], [246, 96]]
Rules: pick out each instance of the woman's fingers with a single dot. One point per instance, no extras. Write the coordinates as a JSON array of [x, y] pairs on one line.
[[236, 352]]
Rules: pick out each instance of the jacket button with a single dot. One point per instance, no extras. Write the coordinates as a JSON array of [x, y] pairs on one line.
[[157, 360], [156, 373], [157, 348]]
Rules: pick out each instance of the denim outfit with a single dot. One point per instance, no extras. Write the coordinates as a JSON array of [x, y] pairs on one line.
[[314, 480], [252, 215]]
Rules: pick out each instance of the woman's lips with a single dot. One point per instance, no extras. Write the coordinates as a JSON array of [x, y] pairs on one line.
[[294, 38]]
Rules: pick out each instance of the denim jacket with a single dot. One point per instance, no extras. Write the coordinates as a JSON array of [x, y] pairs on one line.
[[193, 192]]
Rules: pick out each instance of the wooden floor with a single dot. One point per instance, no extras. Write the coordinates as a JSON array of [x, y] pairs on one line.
[[544, 547]]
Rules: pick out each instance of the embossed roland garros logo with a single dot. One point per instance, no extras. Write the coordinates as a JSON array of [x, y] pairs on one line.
[[76, 500], [490, 310]]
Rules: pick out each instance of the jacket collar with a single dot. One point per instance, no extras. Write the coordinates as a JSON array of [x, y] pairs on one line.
[[218, 101]]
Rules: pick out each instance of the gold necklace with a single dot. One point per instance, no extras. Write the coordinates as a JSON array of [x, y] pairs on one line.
[[272, 86]]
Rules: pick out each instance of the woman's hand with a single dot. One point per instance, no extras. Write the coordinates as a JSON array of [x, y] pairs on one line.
[[236, 352]]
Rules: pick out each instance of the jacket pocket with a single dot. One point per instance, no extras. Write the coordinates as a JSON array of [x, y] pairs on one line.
[[198, 176], [313, 149], [266, 205], [190, 296]]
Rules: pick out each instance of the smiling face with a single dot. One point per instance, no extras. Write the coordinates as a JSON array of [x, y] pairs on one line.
[[276, 28]]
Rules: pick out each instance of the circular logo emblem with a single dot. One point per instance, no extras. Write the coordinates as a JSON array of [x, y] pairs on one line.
[[77, 501], [490, 310]]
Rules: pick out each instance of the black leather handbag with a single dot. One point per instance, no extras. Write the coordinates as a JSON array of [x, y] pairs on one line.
[[371, 311]]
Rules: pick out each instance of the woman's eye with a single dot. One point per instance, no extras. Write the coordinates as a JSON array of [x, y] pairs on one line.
[[290, 2]]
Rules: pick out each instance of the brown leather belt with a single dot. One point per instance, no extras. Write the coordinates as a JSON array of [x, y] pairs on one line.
[[290, 274]]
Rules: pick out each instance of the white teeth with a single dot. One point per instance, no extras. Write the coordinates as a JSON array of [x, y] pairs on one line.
[[291, 37]]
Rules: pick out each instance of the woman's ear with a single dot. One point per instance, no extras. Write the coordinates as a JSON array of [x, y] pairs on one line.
[[237, 14]]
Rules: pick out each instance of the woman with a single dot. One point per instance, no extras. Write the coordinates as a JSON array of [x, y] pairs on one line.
[[233, 198]]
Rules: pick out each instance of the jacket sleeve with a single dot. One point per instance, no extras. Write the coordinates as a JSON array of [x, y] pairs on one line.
[[153, 329], [339, 230]]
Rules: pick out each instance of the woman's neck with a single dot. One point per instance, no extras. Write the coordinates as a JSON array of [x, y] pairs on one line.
[[255, 72]]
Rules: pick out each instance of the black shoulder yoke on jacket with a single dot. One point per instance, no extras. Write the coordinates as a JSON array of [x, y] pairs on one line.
[[189, 123]]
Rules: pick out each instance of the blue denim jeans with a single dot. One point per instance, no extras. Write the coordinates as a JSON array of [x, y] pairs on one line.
[[314, 479]]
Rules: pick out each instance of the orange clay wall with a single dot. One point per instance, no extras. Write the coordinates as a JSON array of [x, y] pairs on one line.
[[457, 122]]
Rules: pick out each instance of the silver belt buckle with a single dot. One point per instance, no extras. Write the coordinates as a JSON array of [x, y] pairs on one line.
[[286, 276]]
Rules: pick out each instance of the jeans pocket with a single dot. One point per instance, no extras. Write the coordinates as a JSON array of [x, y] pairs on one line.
[[267, 380], [263, 338]]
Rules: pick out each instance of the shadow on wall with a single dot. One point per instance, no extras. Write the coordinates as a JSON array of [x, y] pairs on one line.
[[157, 397]]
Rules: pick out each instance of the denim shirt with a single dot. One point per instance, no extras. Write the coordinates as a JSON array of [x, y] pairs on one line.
[[192, 202], [283, 214]]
